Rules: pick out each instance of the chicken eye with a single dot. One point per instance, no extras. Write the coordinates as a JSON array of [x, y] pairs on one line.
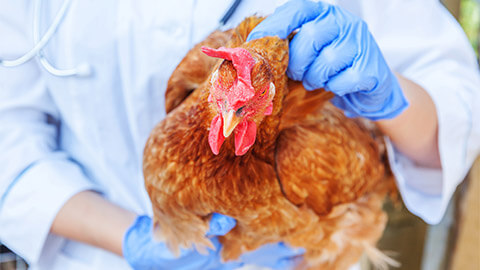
[[263, 93], [238, 113]]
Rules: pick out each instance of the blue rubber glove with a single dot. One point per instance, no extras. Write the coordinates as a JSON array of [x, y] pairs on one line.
[[274, 256], [334, 49], [142, 252]]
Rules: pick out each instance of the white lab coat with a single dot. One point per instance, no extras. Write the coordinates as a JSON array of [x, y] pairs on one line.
[[105, 119]]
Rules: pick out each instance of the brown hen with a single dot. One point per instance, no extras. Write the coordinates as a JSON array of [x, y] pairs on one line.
[[310, 177]]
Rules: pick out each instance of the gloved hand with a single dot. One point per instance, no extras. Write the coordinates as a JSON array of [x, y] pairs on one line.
[[142, 252], [334, 49]]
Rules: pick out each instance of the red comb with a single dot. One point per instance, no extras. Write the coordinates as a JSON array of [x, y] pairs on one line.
[[243, 62]]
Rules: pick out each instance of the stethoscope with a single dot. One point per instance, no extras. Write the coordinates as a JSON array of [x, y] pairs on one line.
[[82, 70]]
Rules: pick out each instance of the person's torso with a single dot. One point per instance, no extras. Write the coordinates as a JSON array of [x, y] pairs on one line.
[[132, 48]]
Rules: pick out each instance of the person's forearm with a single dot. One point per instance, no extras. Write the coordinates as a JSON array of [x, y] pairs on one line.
[[415, 131], [89, 218]]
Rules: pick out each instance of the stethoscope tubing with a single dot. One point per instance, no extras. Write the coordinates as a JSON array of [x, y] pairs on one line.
[[81, 70], [43, 41]]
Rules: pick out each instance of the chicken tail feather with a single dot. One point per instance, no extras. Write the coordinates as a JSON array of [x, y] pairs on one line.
[[381, 259]]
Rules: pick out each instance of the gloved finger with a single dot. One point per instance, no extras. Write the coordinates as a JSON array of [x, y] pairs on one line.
[[286, 18], [362, 74], [220, 224], [270, 255], [333, 58], [368, 105], [286, 263], [284, 250], [309, 41], [351, 81], [191, 259]]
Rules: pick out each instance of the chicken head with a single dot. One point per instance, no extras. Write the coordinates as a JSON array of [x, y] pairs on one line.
[[241, 93]]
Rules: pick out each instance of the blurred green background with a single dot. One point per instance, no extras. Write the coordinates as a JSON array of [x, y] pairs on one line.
[[469, 18]]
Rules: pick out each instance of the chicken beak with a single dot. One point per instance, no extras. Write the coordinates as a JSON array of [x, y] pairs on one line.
[[230, 121]]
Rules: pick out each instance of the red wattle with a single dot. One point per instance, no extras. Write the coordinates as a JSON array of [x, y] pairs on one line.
[[215, 137], [245, 134]]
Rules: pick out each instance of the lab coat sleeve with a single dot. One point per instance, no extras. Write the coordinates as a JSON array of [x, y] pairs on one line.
[[36, 177], [424, 43]]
